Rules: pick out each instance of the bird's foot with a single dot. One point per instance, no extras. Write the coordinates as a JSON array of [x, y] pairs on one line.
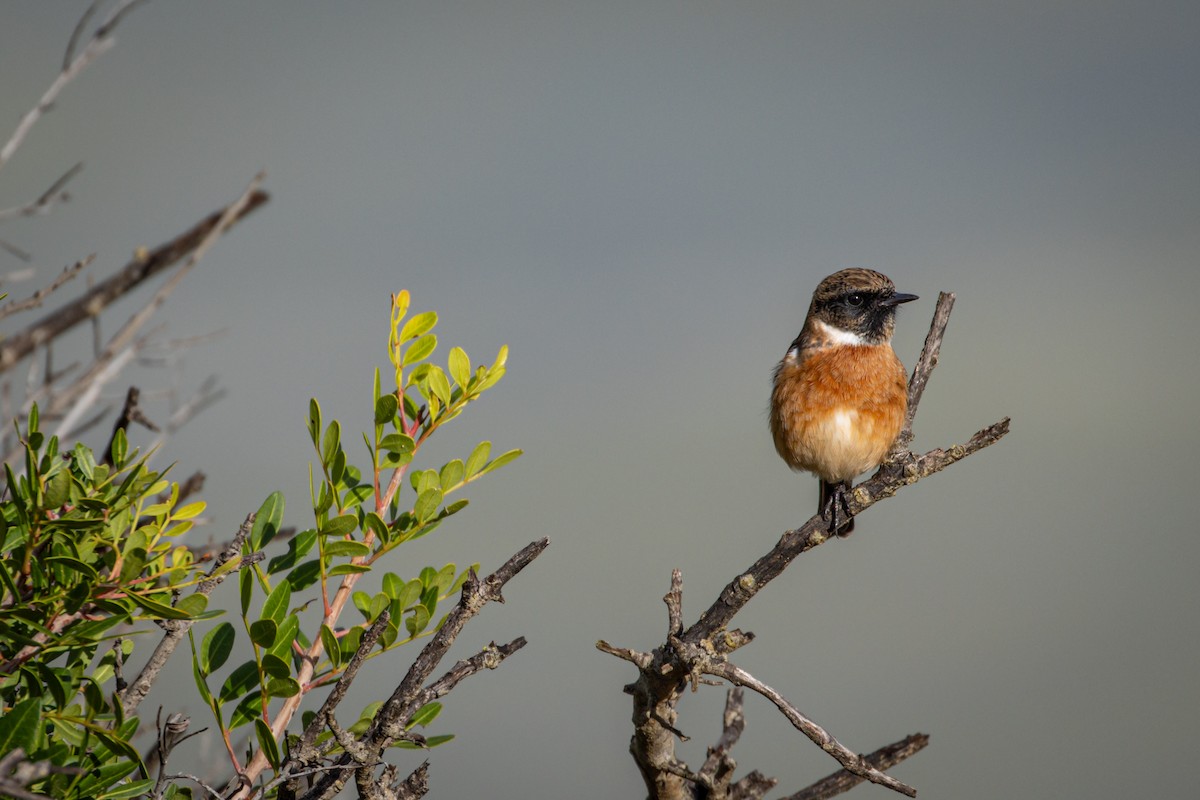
[[836, 503]]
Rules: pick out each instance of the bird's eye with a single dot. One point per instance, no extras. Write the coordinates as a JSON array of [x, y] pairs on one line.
[[855, 300]]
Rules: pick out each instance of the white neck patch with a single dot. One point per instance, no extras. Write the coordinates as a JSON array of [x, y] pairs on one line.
[[837, 335]]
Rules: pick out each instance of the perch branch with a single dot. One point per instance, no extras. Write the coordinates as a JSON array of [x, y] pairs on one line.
[[701, 649]]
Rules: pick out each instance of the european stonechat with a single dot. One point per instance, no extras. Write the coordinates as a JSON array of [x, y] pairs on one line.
[[840, 393]]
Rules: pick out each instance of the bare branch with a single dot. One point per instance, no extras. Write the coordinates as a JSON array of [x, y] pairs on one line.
[[391, 719], [100, 42], [131, 412], [82, 392], [132, 275], [926, 362], [46, 201], [717, 770], [304, 752], [850, 761], [35, 300], [177, 629], [882, 759], [17, 772]]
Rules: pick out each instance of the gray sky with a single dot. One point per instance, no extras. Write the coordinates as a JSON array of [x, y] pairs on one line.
[[638, 198]]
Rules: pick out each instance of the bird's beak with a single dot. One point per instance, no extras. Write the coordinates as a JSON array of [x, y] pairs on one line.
[[897, 299]]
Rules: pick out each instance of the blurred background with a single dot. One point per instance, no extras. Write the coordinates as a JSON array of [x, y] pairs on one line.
[[638, 198]]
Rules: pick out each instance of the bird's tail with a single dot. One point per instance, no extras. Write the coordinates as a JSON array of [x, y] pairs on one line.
[[833, 507]]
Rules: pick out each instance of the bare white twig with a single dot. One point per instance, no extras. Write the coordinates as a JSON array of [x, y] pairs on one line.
[[99, 43]]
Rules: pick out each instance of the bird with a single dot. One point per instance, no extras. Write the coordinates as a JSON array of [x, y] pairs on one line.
[[840, 393]]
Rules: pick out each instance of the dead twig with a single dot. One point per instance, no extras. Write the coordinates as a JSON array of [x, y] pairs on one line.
[[36, 299]]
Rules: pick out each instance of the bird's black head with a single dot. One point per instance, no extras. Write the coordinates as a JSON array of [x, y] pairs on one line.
[[858, 306]]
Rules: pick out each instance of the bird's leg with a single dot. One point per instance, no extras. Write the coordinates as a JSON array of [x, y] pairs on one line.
[[835, 497]]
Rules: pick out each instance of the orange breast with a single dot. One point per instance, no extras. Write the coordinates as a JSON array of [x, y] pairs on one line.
[[837, 411]]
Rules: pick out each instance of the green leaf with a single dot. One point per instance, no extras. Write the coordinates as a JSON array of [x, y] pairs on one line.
[[102, 777], [201, 684], [266, 740], [157, 609], [331, 443], [439, 384], [478, 458], [240, 681], [275, 666], [417, 621], [286, 635], [193, 605], [378, 604], [417, 325], [304, 575], [267, 520], [248, 708], [385, 409], [340, 526], [393, 584], [454, 508], [283, 687], [314, 420], [119, 448], [420, 349], [501, 460], [246, 589], [189, 511], [58, 489], [445, 578], [131, 789], [330, 643], [298, 547], [216, 647], [347, 548], [423, 479], [398, 443], [452, 474], [19, 727], [276, 605], [424, 715], [117, 745], [374, 523], [411, 593], [262, 632], [74, 564], [427, 504], [460, 366], [362, 601], [347, 569]]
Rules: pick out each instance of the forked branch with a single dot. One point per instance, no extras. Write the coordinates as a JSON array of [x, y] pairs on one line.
[[703, 648]]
